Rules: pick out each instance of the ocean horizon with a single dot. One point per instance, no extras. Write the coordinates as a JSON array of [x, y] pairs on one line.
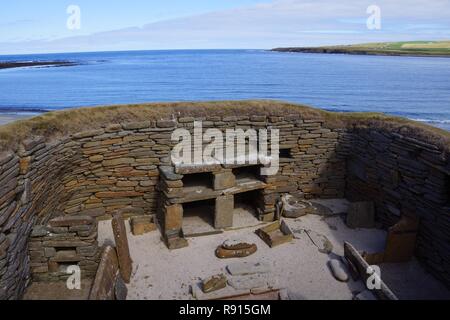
[[417, 88]]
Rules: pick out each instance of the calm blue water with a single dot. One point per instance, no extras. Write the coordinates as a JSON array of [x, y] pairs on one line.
[[417, 88]]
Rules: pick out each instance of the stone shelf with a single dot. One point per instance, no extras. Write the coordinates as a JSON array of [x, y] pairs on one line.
[[200, 191], [183, 186]]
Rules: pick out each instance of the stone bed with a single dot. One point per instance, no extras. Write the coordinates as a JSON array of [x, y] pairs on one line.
[[108, 160]]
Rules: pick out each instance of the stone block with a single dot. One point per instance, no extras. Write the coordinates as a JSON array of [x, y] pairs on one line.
[[224, 212], [169, 174], [401, 240], [49, 252], [141, 225], [361, 215], [66, 256], [25, 164], [173, 217], [176, 243], [103, 287], [123, 251], [69, 221], [224, 180]]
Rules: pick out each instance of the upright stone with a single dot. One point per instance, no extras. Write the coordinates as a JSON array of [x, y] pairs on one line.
[[224, 212], [105, 279], [173, 218], [123, 251], [361, 215], [224, 180]]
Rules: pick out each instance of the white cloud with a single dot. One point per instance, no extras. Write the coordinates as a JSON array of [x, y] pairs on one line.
[[280, 23]]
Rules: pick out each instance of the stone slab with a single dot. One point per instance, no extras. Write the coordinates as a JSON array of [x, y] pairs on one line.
[[224, 207], [69, 221], [245, 268], [105, 279], [123, 251], [173, 217], [361, 215], [223, 180]]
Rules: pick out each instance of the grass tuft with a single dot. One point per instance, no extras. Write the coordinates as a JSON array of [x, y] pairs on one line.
[[57, 124]]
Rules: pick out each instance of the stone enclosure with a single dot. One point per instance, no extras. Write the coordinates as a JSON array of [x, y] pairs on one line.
[[54, 186]]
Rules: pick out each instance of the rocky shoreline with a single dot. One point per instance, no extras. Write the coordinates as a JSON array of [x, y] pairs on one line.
[[353, 51], [21, 64]]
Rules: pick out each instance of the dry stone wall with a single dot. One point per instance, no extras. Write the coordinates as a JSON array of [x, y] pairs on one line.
[[114, 168], [405, 176]]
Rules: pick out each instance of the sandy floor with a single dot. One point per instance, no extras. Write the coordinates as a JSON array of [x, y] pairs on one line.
[[297, 266], [57, 291], [7, 117]]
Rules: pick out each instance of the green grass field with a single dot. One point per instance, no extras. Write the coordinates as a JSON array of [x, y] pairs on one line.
[[411, 48]]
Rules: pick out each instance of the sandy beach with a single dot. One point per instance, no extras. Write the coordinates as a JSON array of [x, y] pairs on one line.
[[10, 117]]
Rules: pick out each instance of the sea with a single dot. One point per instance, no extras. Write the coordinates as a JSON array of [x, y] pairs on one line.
[[417, 88]]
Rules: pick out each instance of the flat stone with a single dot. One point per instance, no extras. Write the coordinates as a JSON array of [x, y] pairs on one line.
[[24, 164], [117, 162], [189, 169], [224, 207], [320, 241], [4, 247], [168, 173], [166, 123], [176, 243], [118, 194], [251, 282], [120, 289], [245, 268], [141, 225], [66, 256], [214, 283], [223, 253], [69, 221], [65, 243], [321, 210], [105, 279], [96, 158], [173, 217], [224, 180], [294, 208], [30, 143], [5, 157], [365, 295], [235, 244], [123, 251], [338, 270], [39, 231], [361, 215]]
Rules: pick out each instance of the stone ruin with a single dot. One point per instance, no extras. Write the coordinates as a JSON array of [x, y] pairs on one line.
[[186, 184], [53, 189], [65, 241]]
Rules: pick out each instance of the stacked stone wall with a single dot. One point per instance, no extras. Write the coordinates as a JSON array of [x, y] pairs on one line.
[[115, 168]]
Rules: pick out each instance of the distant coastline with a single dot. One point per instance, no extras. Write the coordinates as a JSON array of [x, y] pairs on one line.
[[21, 64], [413, 49]]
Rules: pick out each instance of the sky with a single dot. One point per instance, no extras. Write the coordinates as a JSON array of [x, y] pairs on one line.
[[29, 26]]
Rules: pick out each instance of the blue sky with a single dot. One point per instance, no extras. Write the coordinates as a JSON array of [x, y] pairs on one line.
[[28, 26], [44, 19]]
